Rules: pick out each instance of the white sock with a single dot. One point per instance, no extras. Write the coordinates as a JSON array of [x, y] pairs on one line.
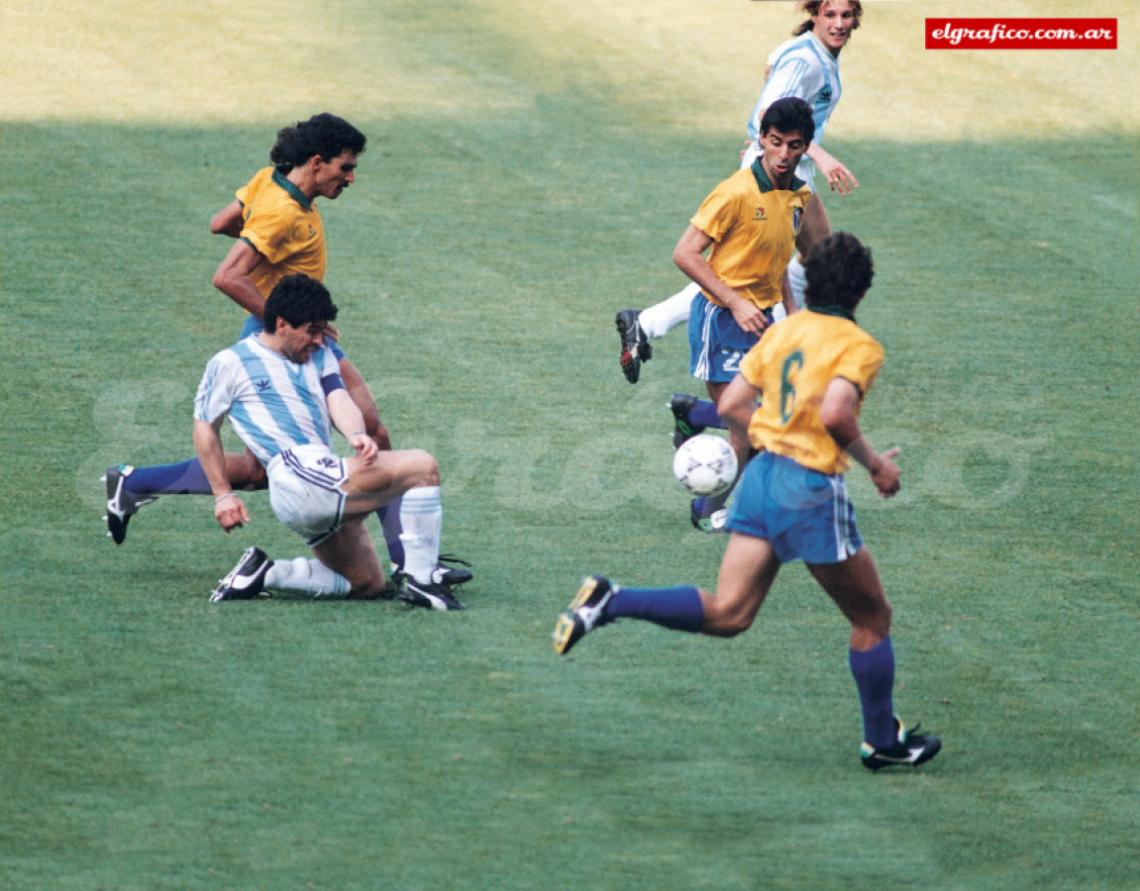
[[657, 320], [797, 280], [421, 515], [306, 576]]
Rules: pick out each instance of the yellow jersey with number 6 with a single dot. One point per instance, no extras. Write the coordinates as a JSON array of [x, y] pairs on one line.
[[792, 365], [284, 227]]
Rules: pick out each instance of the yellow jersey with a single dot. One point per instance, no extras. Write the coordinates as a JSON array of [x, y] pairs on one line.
[[282, 225], [753, 226], [792, 365]]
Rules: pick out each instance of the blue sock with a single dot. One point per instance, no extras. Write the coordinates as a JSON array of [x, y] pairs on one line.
[[186, 478], [677, 608], [874, 673], [389, 515], [703, 414]]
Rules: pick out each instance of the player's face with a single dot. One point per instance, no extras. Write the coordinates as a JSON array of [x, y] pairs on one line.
[[335, 175], [782, 152], [832, 24], [302, 342]]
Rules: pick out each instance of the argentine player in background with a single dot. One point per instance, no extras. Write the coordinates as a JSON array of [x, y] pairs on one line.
[[282, 390], [814, 370], [806, 67]]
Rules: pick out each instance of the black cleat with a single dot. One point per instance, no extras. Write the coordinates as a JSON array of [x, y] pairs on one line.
[[435, 595], [121, 504], [912, 749], [681, 404], [246, 580], [584, 613], [635, 347]]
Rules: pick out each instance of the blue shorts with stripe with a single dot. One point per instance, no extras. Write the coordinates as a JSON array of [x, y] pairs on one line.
[[804, 514], [716, 342], [253, 325]]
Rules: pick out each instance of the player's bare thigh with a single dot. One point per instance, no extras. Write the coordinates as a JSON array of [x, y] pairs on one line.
[[362, 396], [746, 574], [350, 552], [388, 475]]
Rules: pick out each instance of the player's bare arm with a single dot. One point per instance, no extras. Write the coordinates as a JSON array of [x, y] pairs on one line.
[[349, 420], [689, 255], [736, 404], [840, 415], [839, 178], [814, 227], [228, 220], [232, 277], [229, 509]]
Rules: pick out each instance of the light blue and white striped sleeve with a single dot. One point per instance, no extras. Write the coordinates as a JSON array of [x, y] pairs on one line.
[[215, 391]]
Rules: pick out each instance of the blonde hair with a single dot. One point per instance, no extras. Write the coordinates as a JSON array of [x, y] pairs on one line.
[[812, 7]]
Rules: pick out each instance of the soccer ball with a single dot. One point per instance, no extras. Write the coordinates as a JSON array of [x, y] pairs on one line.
[[705, 465]]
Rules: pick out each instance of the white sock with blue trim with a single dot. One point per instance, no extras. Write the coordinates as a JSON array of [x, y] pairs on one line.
[[306, 576], [421, 515]]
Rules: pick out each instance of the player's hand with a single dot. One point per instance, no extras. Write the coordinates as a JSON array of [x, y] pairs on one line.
[[364, 446], [749, 317], [330, 331], [839, 178], [885, 473], [230, 512]]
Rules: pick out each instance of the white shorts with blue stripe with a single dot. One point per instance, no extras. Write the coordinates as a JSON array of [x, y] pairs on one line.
[[305, 491]]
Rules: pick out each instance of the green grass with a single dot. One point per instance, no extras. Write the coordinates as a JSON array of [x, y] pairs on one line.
[[151, 741]]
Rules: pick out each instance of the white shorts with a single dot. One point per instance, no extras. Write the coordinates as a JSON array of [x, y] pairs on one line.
[[305, 491]]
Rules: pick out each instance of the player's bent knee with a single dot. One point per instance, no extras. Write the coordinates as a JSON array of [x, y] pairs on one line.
[[426, 468], [727, 620]]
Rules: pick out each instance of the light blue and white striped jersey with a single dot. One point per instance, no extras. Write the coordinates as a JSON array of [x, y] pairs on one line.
[[273, 404], [801, 67]]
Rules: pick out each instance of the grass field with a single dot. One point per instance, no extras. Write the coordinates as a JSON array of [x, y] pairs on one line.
[[527, 174]]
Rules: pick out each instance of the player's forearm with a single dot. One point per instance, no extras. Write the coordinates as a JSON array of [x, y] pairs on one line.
[[345, 415], [242, 291], [208, 445]]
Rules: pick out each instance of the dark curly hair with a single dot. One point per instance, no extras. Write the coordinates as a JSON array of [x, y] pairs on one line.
[[812, 7], [839, 272], [788, 115], [323, 134], [299, 300]]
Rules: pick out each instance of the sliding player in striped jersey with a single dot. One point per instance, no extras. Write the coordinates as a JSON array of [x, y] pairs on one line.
[[282, 390]]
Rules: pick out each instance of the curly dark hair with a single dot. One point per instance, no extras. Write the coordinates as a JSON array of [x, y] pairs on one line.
[[788, 115], [299, 300], [323, 134], [812, 7], [839, 272]]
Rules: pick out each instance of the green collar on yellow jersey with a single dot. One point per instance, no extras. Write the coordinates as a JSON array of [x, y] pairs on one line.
[[831, 310], [294, 193], [765, 184]]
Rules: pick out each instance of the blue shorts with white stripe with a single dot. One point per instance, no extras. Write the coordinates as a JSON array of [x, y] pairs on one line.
[[804, 514]]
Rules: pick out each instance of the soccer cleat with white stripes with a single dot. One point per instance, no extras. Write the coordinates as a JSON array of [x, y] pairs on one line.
[[121, 504], [584, 613], [246, 580], [911, 749], [433, 595], [635, 347]]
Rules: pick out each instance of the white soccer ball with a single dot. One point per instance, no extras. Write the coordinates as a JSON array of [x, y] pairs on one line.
[[705, 465]]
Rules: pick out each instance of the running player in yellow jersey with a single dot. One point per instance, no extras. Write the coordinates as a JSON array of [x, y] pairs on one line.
[[813, 370]]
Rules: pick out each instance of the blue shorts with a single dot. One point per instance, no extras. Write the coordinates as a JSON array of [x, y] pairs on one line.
[[716, 343], [802, 513], [253, 325]]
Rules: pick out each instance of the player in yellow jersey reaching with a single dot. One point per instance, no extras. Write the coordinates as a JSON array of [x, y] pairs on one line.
[[814, 371]]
